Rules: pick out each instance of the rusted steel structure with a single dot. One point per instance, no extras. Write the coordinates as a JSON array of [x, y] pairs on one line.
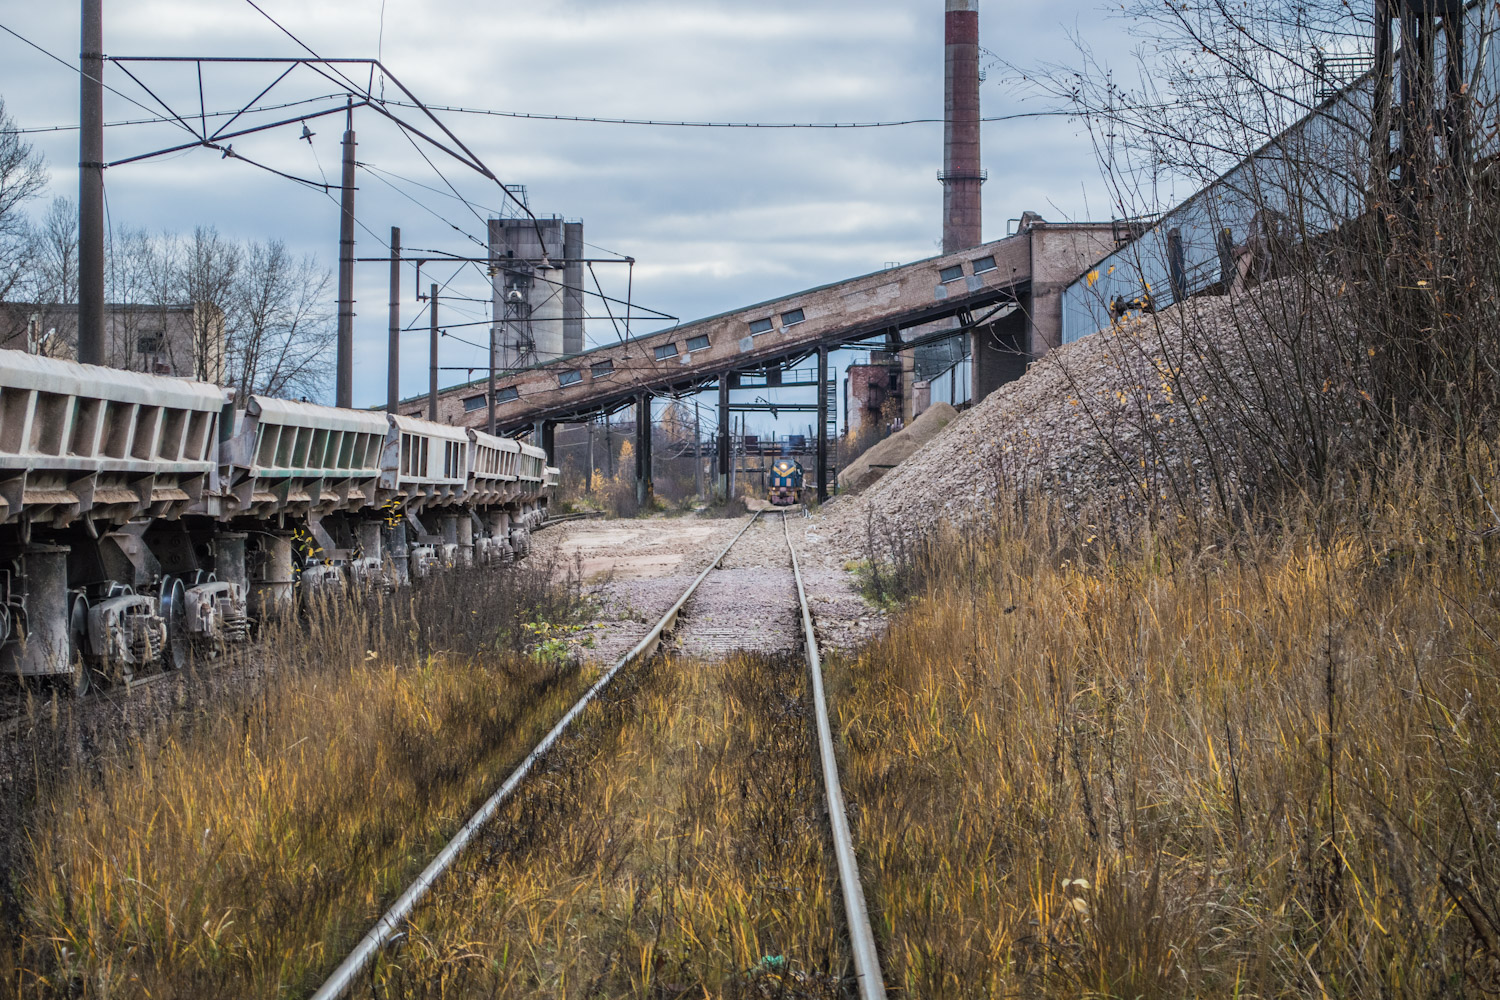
[[962, 176]]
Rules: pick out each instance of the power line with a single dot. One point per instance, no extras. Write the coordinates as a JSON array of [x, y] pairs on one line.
[[162, 119], [596, 120], [425, 187], [76, 69], [472, 161]]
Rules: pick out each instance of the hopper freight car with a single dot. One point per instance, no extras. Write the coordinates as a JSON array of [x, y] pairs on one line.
[[143, 517]]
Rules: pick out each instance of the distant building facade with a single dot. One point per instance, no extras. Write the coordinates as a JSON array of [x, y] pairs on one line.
[[182, 340]]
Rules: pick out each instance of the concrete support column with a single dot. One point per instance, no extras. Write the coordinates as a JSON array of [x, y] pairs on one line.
[[272, 592], [368, 531], [45, 648], [465, 540], [547, 440], [448, 525], [229, 558], [644, 488], [723, 457], [400, 554]]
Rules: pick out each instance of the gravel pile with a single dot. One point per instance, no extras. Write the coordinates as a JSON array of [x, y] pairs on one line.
[[891, 452], [1101, 421]]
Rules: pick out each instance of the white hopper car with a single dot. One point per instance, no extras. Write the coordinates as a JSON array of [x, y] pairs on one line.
[[142, 516]]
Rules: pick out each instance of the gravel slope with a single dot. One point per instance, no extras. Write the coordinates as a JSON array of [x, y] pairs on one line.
[[1099, 422]]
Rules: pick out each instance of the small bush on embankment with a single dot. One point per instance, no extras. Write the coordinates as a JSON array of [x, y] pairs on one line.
[[1091, 766], [240, 851]]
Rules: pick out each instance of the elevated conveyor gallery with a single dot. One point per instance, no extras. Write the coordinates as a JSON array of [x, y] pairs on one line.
[[1002, 293]]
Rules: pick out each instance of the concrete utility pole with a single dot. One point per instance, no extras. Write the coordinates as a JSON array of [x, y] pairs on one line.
[[344, 391], [697, 451], [490, 391], [393, 349], [91, 186], [432, 367], [588, 475]]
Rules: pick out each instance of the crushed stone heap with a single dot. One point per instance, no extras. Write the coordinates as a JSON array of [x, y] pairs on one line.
[[1096, 421]]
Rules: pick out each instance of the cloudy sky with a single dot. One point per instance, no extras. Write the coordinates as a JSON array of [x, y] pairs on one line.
[[716, 218]]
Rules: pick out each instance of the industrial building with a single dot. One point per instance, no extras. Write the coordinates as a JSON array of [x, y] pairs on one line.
[[182, 340], [537, 273]]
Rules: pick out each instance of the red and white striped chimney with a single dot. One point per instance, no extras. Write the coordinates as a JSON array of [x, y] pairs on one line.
[[961, 174]]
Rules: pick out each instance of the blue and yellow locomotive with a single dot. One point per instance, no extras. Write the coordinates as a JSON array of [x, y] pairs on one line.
[[786, 483]]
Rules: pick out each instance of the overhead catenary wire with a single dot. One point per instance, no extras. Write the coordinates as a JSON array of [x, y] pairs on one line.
[[473, 161]]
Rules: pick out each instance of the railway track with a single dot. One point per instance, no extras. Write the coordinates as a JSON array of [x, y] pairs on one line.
[[869, 981]]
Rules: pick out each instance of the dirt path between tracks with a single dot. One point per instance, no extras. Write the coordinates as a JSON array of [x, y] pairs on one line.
[[637, 568]]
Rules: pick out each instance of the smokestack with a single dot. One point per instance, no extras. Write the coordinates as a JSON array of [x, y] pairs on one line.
[[961, 174]]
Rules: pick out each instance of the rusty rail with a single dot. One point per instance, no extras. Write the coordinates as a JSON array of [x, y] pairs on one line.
[[856, 914]]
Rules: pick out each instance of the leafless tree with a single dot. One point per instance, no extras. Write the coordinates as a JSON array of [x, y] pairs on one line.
[[22, 177], [1355, 307], [282, 335], [207, 270], [55, 255]]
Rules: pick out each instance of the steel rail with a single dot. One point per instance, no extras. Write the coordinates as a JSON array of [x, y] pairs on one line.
[[565, 518], [856, 914], [344, 976]]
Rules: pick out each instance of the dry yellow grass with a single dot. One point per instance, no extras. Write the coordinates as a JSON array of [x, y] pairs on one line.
[[675, 849], [1079, 766], [240, 852], [1262, 770]]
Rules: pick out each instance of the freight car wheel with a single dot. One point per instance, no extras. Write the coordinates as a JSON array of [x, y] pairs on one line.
[[78, 637], [174, 612]]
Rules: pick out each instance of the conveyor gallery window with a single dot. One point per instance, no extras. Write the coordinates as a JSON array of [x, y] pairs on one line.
[[507, 394], [760, 325], [472, 403], [792, 317], [699, 343], [570, 377], [602, 368], [984, 264], [951, 273], [666, 351]]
